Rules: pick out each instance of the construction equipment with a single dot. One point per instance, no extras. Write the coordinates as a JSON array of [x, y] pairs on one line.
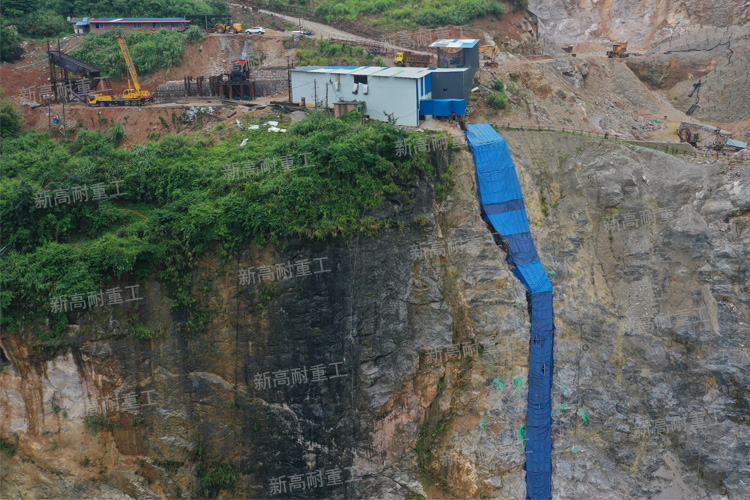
[[412, 59], [696, 86], [493, 54], [241, 67], [687, 135], [133, 95], [227, 27], [704, 136], [619, 50], [240, 71]]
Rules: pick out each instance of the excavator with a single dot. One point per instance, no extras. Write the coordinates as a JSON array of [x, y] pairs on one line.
[[493, 55], [619, 50], [133, 95]]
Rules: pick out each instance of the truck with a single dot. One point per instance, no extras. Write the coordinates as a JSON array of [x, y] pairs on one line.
[[619, 50], [133, 95], [412, 59]]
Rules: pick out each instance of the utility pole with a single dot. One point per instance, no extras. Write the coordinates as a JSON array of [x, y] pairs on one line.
[[64, 96], [326, 96], [63, 122], [315, 87], [289, 67]]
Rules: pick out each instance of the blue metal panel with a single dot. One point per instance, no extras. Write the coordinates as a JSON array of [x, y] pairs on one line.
[[428, 84]]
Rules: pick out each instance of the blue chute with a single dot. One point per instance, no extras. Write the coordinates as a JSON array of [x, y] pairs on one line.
[[502, 203]]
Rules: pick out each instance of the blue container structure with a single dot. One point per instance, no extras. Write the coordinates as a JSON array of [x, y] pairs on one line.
[[443, 107]]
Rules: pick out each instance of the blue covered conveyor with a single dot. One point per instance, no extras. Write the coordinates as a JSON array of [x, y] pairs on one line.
[[502, 203]]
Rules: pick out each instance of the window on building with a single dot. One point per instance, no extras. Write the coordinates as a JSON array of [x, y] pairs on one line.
[[137, 26], [360, 79], [98, 26], [157, 25]]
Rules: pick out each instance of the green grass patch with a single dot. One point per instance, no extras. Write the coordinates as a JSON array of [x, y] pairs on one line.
[[138, 330], [407, 12], [95, 423], [214, 478], [169, 465], [497, 100], [9, 447], [325, 53]]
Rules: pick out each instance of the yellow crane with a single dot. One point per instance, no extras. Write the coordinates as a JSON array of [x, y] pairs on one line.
[[131, 93], [131, 96]]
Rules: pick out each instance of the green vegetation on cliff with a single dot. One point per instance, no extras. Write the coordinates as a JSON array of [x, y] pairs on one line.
[[325, 53], [402, 12], [214, 478], [150, 52], [10, 117], [48, 18], [10, 44], [178, 204]]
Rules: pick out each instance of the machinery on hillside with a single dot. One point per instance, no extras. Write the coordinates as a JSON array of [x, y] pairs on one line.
[[228, 27], [619, 50], [707, 137], [241, 67], [412, 59], [133, 95], [240, 71], [687, 135], [493, 54]]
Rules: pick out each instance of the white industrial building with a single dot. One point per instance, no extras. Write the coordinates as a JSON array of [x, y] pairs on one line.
[[384, 91]]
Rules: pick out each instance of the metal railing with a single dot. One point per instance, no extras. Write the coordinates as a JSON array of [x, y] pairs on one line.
[[674, 148]]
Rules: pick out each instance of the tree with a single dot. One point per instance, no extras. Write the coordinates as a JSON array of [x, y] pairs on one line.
[[10, 119], [44, 24], [194, 34], [498, 100], [520, 4], [10, 45], [17, 8]]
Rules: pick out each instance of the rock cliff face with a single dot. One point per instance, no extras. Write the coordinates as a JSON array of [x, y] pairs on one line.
[[717, 59], [416, 356], [633, 21]]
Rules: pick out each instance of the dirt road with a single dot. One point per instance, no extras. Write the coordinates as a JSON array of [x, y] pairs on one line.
[[328, 31]]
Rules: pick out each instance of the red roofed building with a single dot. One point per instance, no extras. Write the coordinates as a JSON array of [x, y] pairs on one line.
[[129, 24]]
